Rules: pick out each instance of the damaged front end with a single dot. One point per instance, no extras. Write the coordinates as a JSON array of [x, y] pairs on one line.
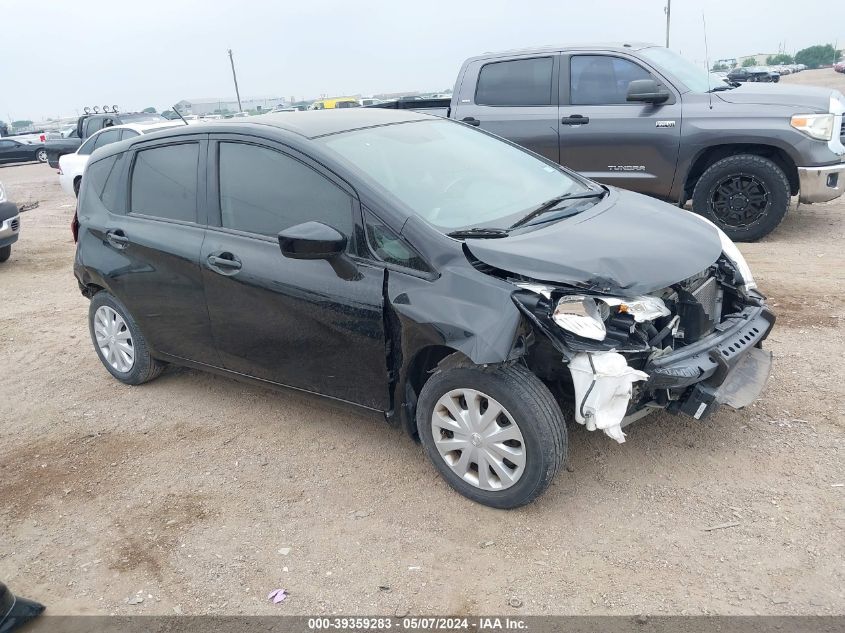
[[687, 347]]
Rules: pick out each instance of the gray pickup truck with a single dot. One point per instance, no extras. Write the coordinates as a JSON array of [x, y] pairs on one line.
[[643, 118]]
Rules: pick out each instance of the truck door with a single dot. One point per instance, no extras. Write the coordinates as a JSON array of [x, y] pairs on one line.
[[604, 137], [514, 98]]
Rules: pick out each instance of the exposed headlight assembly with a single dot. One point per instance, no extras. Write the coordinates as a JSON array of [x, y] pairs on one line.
[[732, 253], [585, 315], [818, 126]]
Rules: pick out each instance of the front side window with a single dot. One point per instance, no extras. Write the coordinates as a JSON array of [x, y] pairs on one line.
[[164, 182], [518, 82], [128, 134], [602, 79], [264, 191], [449, 174]]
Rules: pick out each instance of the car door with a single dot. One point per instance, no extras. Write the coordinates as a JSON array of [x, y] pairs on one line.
[[515, 98], [292, 322], [153, 239], [631, 145], [14, 152]]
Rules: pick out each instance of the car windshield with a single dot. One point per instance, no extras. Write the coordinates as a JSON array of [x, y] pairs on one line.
[[694, 77], [451, 175]]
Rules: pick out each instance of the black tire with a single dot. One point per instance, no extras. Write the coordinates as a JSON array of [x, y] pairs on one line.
[[531, 406], [145, 367], [77, 182], [5, 253], [766, 196], [41, 156]]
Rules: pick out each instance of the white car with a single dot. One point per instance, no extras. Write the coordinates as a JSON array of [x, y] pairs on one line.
[[71, 166]]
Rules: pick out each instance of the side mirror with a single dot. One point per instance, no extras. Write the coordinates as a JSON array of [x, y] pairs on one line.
[[315, 240], [646, 91], [312, 240]]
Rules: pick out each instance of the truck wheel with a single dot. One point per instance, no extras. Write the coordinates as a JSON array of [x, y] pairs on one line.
[[746, 196], [496, 434], [119, 343], [5, 253]]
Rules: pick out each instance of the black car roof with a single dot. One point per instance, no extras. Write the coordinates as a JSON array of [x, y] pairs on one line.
[[314, 123]]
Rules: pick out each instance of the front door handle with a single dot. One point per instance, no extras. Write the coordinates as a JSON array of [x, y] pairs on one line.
[[117, 238], [575, 119], [471, 121], [224, 263]]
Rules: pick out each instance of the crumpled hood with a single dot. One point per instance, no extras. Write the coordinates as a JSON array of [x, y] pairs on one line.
[[627, 244], [807, 97]]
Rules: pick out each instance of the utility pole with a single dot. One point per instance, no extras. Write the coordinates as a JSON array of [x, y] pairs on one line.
[[668, 11], [235, 78]]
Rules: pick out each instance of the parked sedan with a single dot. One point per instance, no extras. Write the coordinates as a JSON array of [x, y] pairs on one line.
[[469, 290], [72, 166], [10, 225], [12, 151]]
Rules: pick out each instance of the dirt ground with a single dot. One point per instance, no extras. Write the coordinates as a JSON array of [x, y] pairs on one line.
[[200, 494]]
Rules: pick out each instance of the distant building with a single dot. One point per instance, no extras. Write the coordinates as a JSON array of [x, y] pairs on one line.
[[759, 59], [730, 62], [214, 105]]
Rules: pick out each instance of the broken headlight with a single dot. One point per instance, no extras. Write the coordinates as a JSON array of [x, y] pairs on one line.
[[585, 315], [732, 253]]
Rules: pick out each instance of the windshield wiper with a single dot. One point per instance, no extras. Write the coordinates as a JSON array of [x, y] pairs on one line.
[[478, 232], [548, 205]]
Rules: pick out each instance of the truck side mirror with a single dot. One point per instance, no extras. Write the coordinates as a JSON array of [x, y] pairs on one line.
[[646, 91]]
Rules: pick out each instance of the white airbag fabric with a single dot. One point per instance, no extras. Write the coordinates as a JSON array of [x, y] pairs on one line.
[[607, 402]]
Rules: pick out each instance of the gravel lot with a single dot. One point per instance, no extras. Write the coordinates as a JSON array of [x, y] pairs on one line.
[[200, 494]]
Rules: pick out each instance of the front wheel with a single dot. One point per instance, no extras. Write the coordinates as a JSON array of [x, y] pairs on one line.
[[747, 196], [41, 156], [5, 253], [496, 434]]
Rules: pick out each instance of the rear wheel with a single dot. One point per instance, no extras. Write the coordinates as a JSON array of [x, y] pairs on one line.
[[119, 342], [5, 253], [496, 434], [77, 182], [747, 196], [41, 156]]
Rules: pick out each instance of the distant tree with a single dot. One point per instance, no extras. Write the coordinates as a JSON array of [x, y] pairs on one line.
[[749, 62], [150, 110], [818, 55], [780, 58], [718, 67], [22, 123]]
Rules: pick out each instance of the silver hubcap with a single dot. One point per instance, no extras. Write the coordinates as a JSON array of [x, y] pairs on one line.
[[478, 439], [42, 156], [114, 339]]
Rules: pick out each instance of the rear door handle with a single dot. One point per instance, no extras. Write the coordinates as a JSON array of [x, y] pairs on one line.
[[575, 119], [471, 121], [117, 238], [224, 263]]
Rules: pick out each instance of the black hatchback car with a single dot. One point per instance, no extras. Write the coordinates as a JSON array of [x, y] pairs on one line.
[[476, 294]]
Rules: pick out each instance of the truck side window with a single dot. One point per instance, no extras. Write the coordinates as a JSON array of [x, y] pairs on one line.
[[518, 82], [602, 79]]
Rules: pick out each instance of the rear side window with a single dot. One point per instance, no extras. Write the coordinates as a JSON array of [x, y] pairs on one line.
[[106, 138], [519, 82], [265, 191], [601, 79], [164, 182]]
